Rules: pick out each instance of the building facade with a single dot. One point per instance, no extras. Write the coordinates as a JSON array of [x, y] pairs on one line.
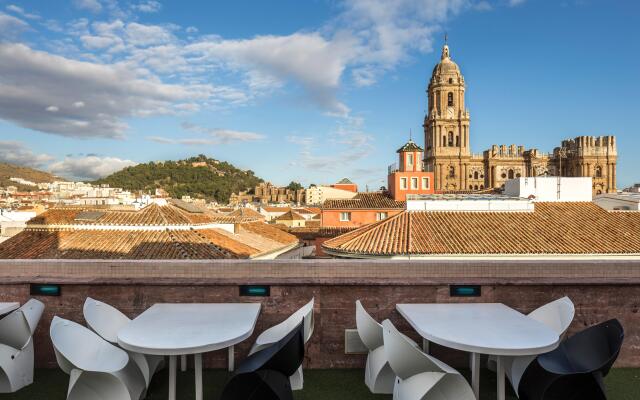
[[408, 175], [456, 168]]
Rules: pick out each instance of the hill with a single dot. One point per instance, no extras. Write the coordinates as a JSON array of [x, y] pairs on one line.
[[15, 171], [198, 177]]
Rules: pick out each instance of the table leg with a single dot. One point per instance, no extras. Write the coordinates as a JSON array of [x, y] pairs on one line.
[[231, 358], [425, 345], [500, 377], [475, 374], [183, 362], [172, 377], [197, 366]]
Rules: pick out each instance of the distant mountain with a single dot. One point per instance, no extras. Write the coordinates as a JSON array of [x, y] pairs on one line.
[[198, 177], [15, 171]]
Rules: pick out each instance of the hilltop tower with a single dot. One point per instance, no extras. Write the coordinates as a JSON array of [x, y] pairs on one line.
[[446, 125]]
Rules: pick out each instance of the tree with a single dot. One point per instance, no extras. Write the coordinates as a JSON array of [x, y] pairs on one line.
[[294, 186]]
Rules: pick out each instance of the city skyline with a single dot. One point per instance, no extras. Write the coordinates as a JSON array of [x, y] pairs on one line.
[[311, 93]]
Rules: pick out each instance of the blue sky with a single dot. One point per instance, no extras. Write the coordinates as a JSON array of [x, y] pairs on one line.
[[305, 90]]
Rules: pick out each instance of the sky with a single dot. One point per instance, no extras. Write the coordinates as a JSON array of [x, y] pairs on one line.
[[309, 91]]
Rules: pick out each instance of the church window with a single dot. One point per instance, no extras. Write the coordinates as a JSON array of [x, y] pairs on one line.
[[450, 80], [450, 139], [475, 187], [503, 175], [450, 99], [510, 174], [598, 172], [452, 172], [518, 175], [457, 140], [481, 187], [475, 175], [470, 187], [444, 140]]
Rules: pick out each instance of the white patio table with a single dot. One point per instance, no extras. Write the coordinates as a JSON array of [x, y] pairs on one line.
[[8, 307], [181, 329], [480, 328]]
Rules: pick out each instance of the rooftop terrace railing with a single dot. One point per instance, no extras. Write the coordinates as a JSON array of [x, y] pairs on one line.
[[600, 290]]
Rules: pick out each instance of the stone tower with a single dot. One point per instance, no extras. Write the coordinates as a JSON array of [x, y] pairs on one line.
[[590, 156], [446, 126]]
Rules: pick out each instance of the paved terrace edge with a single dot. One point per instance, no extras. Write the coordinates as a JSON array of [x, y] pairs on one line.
[[327, 272]]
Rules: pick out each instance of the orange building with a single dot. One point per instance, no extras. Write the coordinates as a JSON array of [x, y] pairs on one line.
[[408, 176], [346, 184], [363, 209]]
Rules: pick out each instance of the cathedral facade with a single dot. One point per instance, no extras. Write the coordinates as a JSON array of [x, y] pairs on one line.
[[448, 152]]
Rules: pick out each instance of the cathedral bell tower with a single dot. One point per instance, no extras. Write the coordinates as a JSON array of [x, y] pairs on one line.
[[446, 126]]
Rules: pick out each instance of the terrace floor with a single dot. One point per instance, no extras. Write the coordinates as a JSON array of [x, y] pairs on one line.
[[51, 384]]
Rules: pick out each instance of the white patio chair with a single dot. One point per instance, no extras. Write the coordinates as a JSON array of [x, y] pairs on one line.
[[557, 315], [277, 332], [106, 321], [16, 346], [97, 369], [378, 375], [420, 376]]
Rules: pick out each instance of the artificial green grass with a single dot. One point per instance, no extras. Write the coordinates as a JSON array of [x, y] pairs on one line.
[[348, 384]]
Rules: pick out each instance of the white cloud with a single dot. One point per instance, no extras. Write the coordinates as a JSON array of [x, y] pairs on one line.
[[19, 10], [223, 135], [89, 167], [15, 152], [145, 35], [31, 81], [10, 26], [90, 5], [149, 6]]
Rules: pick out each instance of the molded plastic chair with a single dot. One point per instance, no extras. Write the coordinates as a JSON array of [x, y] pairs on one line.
[[378, 375], [97, 369], [106, 321], [575, 370], [277, 332], [16, 346], [557, 315], [419, 375], [264, 375]]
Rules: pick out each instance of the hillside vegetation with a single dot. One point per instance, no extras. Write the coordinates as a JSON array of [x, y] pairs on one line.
[[198, 177], [15, 171]]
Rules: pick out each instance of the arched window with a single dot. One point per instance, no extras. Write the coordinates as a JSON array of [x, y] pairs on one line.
[[481, 187], [475, 187], [510, 174], [470, 187], [450, 80], [598, 172], [450, 99], [450, 139], [475, 175], [452, 172]]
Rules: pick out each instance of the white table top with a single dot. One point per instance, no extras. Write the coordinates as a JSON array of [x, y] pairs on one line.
[[8, 307], [486, 328], [176, 329]]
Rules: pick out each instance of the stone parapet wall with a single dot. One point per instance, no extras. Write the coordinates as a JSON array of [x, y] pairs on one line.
[[599, 289]]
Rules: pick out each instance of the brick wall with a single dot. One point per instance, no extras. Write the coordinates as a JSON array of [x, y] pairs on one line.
[[599, 289]]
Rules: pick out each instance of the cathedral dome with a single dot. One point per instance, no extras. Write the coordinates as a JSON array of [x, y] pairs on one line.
[[446, 66]]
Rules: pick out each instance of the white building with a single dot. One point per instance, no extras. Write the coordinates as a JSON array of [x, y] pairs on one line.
[[619, 201], [14, 222], [318, 194], [550, 189]]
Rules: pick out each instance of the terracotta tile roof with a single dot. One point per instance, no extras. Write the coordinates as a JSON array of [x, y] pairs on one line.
[[304, 211], [372, 201], [552, 228], [150, 215], [152, 244], [246, 214], [155, 232], [290, 216]]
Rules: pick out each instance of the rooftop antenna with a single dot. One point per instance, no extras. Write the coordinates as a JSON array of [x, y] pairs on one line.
[[410, 134], [445, 37]]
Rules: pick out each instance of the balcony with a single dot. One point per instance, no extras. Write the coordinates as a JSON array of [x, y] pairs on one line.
[[599, 289]]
